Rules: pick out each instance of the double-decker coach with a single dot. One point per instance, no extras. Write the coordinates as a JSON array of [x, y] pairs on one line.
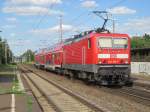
[[53, 58], [40, 58]]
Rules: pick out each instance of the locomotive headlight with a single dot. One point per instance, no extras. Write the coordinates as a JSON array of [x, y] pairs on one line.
[[126, 62], [100, 62]]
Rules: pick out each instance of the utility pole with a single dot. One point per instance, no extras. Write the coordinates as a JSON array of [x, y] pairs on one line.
[[61, 29], [113, 25], [29, 57]]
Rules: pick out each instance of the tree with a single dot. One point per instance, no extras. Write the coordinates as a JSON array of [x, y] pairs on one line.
[[141, 42], [0, 50], [28, 55], [146, 36], [5, 52]]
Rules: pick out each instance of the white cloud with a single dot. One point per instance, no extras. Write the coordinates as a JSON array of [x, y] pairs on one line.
[[135, 26], [121, 10], [89, 4], [32, 10], [11, 19], [34, 2], [9, 26], [55, 29], [19, 42], [12, 34]]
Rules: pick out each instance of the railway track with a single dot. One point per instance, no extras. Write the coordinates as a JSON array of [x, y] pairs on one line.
[[55, 97], [135, 94], [132, 93], [139, 95], [42, 100]]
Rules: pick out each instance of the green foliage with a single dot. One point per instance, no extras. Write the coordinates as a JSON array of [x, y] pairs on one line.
[[5, 52], [28, 55], [141, 42]]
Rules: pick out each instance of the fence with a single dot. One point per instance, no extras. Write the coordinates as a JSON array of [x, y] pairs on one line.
[[140, 67]]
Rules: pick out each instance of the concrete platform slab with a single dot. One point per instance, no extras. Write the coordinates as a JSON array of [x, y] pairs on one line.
[[5, 103]]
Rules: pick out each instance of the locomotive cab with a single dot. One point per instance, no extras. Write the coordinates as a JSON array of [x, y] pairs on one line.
[[112, 50], [113, 59]]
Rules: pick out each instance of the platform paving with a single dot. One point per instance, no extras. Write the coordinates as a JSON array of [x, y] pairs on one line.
[[22, 100]]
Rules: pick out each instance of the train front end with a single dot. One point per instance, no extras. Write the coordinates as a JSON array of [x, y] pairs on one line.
[[113, 59]]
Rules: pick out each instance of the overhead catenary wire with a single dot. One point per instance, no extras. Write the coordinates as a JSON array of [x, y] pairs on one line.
[[80, 15], [112, 6], [116, 4], [75, 20], [42, 18]]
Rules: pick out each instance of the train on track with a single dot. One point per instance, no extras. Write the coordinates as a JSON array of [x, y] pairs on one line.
[[95, 56]]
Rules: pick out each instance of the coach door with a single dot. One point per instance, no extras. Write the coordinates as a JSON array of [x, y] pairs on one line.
[[64, 57], [53, 56], [83, 55]]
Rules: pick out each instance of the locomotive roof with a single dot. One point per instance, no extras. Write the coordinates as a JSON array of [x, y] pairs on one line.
[[78, 37], [86, 35]]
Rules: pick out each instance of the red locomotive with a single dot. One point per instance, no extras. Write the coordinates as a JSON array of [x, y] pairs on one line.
[[95, 55]]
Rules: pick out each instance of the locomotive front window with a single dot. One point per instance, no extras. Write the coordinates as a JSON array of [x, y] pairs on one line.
[[113, 43], [105, 43], [120, 43]]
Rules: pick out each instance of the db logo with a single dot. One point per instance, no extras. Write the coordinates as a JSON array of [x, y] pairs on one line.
[[113, 56]]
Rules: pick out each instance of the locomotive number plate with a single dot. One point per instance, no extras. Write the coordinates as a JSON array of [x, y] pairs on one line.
[[113, 56]]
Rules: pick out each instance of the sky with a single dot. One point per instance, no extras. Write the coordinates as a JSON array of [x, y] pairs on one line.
[[34, 24]]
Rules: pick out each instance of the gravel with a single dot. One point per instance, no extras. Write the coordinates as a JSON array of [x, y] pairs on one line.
[[141, 76]]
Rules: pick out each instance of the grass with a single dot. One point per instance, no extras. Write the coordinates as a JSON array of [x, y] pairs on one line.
[[14, 89], [29, 103], [28, 63], [7, 68]]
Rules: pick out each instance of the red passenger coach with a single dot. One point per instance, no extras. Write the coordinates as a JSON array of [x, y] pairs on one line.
[[49, 58], [54, 57], [40, 58]]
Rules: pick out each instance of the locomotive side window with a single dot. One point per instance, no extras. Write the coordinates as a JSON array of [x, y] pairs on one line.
[[105, 43], [89, 43]]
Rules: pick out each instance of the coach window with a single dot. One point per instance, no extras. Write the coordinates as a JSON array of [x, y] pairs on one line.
[[89, 43]]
